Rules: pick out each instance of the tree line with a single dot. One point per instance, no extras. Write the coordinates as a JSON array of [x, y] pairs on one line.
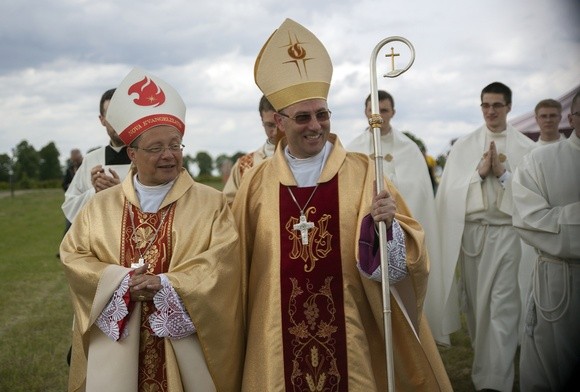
[[27, 168]]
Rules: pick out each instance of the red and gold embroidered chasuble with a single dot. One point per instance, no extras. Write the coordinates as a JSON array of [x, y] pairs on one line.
[[313, 322], [148, 236]]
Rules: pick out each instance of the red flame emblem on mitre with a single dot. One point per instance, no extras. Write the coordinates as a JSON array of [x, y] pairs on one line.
[[297, 51], [149, 94]]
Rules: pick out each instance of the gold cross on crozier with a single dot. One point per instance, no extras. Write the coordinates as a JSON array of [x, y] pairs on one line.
[[392, 55], [303, 226]]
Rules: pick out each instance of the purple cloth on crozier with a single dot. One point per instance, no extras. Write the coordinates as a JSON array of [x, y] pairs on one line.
[[368, 244]]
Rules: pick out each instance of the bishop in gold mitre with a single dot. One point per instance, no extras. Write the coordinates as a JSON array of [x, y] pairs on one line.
[[306, 219]]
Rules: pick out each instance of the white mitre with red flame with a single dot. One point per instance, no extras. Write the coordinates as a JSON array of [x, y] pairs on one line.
[[143, 101]]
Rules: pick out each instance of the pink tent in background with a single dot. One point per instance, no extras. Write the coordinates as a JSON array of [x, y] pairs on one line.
[[526, 123]]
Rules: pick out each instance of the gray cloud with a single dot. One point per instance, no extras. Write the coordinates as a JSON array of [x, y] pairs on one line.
[[58, 57]]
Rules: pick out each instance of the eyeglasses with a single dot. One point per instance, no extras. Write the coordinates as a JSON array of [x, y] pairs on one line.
[[495, 106], [305, 118], [159, 150]]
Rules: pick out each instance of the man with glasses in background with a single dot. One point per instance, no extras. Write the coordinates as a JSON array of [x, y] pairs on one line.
[[474, 206], [248, 161], [306, 218]]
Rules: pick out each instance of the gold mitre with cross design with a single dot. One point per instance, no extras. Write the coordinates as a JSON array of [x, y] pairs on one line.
[[143, 101], [293, 66]]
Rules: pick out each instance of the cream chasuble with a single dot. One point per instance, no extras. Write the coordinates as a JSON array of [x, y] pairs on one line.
[[405, 166], [313, 321], [202, 269]]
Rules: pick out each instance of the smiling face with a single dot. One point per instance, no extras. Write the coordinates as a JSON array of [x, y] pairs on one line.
[[495, 110], [304, 140], [161, 167]]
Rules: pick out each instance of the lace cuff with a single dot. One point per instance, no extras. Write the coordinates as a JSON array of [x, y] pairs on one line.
[[113, 318], [396, 257], [170, 319]]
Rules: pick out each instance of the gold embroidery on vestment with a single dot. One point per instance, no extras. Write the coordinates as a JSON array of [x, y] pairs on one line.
[[313, 345], [145, 233], [319, 240]]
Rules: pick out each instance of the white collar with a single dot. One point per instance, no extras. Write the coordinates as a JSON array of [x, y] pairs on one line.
[[151, 197], [307, 171]]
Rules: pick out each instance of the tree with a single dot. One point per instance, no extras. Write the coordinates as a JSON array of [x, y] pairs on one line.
[[5, 166], [417, 141], [49, 163], [224, 164], [442, 160], [188, 160], [204, 163], [27, 162]]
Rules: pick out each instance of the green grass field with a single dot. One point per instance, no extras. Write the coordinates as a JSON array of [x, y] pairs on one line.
[[35, 312]]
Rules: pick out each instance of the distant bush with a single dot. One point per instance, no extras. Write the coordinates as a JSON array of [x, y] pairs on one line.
[[27, 183]]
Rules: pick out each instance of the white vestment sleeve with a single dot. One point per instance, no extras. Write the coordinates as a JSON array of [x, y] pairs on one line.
[[171, 318], [553, 230], [78, 193], [115, 311]]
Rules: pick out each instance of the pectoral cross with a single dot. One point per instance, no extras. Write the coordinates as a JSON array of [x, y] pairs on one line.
[[392, 56], [303, 226], [139, 263]]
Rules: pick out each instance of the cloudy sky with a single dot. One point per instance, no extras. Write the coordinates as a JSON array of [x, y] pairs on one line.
[[58, 56]]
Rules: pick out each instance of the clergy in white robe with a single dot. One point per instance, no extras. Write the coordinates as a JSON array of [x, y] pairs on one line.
[[405, 166], [81, 188], [548, 115], [101, 168], [546, 194], [474, 207]]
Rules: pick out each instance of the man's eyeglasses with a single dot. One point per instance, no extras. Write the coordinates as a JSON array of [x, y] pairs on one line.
[[495, 106], [158, 149], [305, 118]]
